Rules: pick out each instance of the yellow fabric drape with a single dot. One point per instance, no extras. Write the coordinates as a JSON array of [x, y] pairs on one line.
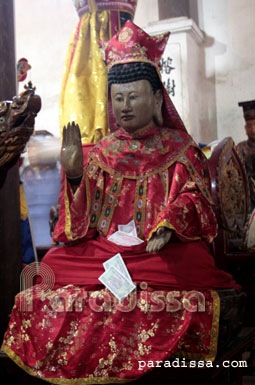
[[23, 204], [92, 5], [83, 97]]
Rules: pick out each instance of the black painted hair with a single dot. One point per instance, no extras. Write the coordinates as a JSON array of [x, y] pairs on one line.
[[131, 72]]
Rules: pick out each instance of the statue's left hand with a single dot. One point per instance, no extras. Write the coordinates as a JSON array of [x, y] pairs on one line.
[[159, 239], [71, 151]]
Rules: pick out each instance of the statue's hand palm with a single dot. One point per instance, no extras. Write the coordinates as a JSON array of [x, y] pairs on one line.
[[159, 239], [71, 151]]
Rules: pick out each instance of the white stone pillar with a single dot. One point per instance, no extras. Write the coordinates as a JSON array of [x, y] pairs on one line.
[[146, 11], [181, 69]]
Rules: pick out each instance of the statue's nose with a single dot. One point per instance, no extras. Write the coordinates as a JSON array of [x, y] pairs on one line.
[[126, 105]]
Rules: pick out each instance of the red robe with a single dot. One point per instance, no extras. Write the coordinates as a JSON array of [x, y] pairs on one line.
[[159, 178]]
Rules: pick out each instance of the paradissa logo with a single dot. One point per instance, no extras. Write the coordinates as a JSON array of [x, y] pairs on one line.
[[146, 299], [172, 301], [181, 363]]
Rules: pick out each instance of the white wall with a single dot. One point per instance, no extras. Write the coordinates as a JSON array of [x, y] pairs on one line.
[[229, 60], [43, 30], [146, 12], [227, 64]]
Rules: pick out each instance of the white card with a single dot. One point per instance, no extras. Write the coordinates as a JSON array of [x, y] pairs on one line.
[[116, 282], [117, 261], [124, 239], [130, 228]]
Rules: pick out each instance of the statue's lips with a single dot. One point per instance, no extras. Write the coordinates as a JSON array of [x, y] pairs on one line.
[[127, 117]]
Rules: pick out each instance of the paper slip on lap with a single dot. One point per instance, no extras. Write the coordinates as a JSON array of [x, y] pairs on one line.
[[117, 283], [119, 264]]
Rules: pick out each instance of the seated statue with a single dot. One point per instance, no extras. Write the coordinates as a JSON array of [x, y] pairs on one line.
[[148, 171]]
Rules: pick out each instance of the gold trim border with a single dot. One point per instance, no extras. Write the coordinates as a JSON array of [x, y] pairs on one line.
[[65, 381], [68, 222], [118, 181], [167, 224], [68, 219], [203, 185], [214, 335]]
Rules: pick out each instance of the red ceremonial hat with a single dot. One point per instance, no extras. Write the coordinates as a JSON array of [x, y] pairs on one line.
[[132, 44]]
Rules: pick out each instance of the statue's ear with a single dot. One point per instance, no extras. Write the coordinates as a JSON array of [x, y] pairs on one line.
[[159, 96], [158, 118]]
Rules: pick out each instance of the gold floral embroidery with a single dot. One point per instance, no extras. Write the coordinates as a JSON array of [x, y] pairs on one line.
[[198, 180], [167, 224], [112, 171], [165, 182]]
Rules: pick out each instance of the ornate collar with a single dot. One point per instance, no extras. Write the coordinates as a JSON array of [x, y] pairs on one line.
[[142, 133], [125, 155]]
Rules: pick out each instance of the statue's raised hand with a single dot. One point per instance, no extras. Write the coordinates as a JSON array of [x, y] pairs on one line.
[[159, 239], [71, 151]]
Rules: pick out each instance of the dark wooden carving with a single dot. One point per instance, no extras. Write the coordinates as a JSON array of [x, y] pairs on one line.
[[17, 119], [10, 245], [230, 193]]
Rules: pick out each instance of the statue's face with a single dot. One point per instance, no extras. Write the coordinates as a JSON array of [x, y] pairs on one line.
[[250, 129], [134, 104]]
